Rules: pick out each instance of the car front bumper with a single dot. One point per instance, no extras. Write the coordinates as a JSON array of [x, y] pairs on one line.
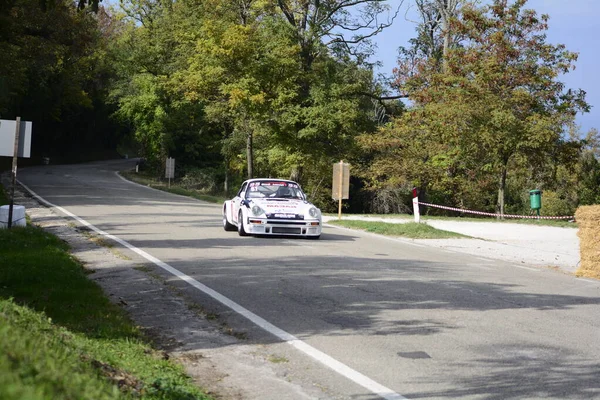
[[262, 226]]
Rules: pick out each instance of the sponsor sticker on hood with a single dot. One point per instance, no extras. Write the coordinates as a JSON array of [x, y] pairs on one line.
[[280, 207]]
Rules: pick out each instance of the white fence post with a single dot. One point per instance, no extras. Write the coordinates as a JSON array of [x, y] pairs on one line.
[[416, 206]]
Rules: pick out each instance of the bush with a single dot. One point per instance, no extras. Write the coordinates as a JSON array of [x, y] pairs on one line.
[[554, 205], [205, 180], [391, 201]]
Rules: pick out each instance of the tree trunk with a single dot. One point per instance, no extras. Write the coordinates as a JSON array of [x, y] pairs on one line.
[[501, 188], [446, 46], [296, 174], [250, 155], [226, 183]]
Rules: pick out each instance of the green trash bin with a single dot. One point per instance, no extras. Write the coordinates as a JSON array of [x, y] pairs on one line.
[[535, 197]]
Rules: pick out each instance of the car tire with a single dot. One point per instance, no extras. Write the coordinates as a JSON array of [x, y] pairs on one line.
[[227, 226], [240, 225]]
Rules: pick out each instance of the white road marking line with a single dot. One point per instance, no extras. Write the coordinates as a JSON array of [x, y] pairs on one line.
[[307, 349], [486, 260], [527, 268], [590, 281], [479, 266]]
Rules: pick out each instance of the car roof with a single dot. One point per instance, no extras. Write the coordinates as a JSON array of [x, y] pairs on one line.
[[269, 180]]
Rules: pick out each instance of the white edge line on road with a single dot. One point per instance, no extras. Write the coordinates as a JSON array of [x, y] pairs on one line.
[[307, 349], [527, 268], [479, 266]]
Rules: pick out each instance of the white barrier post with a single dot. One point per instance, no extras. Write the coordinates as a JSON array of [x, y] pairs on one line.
[[416, 206]]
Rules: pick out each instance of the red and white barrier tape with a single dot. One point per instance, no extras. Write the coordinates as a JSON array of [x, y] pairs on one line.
[[492, 214]]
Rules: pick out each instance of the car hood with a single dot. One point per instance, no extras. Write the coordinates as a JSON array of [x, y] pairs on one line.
[[283, 206]]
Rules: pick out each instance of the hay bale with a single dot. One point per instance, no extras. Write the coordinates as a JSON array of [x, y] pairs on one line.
[[588, 219]]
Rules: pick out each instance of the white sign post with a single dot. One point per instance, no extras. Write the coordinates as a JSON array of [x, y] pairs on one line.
[[8, 130], [15, 141], [170, 170]]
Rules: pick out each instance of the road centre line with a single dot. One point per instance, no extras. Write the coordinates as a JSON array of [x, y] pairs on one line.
[[290, 339]]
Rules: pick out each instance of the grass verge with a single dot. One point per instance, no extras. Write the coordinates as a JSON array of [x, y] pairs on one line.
[[410, 230], [61, 338], [150, 181], [542, 222]]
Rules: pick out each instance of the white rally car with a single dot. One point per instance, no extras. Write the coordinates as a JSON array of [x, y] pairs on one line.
[[271, 207]]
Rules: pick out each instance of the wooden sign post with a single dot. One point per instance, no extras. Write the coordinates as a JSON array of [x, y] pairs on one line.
[[341, 184]]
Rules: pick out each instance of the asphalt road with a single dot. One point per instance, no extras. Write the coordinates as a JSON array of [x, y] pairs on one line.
[[419, 321]]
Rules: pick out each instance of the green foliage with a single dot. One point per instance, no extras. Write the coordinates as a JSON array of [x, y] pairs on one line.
[[54, 72], [588, 182], [197, 185], [235, 89], [206, 180], [496, 108], [554, 205]]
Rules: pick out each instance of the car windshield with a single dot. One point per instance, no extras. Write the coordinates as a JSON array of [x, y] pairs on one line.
[[274, 190]]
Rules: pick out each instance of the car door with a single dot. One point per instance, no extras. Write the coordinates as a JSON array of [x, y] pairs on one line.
[[237, 201]]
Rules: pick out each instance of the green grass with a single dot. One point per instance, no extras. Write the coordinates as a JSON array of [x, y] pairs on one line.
[[60, 337], [148, 180], [410, 230], [543, 222]]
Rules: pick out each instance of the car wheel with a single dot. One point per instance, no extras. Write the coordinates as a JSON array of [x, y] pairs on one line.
[[240, 225], [226, 225]]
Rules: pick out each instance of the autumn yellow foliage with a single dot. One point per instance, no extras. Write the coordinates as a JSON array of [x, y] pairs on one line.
[[588, 219]]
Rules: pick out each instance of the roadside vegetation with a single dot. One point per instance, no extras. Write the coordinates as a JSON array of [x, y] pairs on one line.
[[409, 230], [234, 89], [409, 217], [61, 338], [150, 180]]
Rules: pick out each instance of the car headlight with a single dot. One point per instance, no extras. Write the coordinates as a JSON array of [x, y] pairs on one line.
[[313, 212], [256, 211]]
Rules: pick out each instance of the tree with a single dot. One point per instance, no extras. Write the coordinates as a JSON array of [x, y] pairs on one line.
[[53, 71], [499, 96]]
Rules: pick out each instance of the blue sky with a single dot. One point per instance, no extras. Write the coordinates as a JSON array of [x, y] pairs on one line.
[[573, 23]]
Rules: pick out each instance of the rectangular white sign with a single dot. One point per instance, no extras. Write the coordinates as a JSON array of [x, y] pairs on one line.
[[7, 138], [170, 170]]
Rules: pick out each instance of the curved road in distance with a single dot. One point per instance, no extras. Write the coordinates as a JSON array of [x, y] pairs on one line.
[[419, 321]]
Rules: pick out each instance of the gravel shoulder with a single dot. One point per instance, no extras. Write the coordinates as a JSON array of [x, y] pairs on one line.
[[544, 246]]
